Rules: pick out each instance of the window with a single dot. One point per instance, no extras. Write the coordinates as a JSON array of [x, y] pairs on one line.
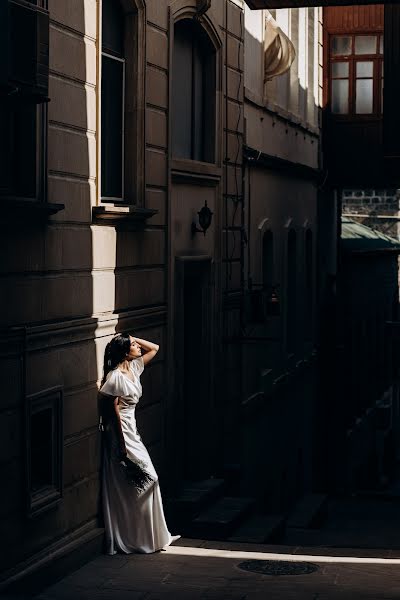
[[44, 443], [112, 102], [291, 291], [122, 147], [268, 276], [268, 261], [193, 93], [356, 74], [22, 131], [23, 94], [309, 281]]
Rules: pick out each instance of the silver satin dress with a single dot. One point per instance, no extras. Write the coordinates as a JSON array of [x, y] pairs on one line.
[[134, 522]]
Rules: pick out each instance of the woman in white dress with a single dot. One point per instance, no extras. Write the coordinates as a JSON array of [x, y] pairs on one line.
[[133, 511]]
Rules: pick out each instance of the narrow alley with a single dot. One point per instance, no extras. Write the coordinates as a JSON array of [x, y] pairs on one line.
[[200, 317]]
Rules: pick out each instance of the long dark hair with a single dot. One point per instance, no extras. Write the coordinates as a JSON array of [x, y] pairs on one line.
[[115, 352]]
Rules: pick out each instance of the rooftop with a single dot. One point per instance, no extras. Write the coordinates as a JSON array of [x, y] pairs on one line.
[[357, 237]]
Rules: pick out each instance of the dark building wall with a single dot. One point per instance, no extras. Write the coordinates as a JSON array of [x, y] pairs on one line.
[[74, 280], [362, 419]]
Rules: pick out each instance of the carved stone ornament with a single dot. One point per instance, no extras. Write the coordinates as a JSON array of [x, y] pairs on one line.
[[202, 7]]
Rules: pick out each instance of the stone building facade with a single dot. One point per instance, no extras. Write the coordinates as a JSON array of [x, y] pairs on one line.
[[105, 244], [157, 110], [284, 220]]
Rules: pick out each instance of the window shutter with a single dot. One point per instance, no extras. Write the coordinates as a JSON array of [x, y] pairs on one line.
[[28, 64]]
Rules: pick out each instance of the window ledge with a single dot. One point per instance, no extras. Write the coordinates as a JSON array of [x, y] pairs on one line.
[[28, 210], [195, 172], [127, 214]]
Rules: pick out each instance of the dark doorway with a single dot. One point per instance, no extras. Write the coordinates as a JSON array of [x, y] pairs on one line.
[[194, 364]]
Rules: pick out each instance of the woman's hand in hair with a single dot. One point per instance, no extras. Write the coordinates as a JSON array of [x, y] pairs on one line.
[[150, 349]]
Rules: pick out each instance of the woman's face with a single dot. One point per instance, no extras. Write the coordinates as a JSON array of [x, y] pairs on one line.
[[135, 350]]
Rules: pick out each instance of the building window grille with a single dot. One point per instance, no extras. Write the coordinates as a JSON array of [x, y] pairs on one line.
[[44, 443], [356, 75], [193, 93]]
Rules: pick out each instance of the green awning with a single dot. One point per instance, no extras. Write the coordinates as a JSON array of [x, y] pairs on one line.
[[357, 237]]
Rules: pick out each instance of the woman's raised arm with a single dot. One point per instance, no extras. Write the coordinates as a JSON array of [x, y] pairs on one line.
[[150, 349]]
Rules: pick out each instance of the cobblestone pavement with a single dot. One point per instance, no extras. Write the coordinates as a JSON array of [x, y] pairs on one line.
[[198, 569]]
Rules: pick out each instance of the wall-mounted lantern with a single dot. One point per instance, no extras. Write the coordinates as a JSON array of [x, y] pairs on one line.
[[205, 218], [273, 304]]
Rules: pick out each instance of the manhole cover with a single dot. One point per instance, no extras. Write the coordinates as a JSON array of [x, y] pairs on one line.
[[278, 567]]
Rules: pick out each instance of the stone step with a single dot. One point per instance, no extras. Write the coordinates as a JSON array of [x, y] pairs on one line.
[[259, 529], [221, 518], [193, 498], [387, 538], [308, 512]]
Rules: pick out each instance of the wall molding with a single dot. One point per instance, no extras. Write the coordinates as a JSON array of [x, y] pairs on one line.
[[42, 336]]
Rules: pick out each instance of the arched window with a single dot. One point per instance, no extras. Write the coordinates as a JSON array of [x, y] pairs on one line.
[[268, 261], [309, 280], [291, 290], [193, 93]]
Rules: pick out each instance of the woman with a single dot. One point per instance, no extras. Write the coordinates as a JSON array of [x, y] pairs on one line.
[[133, 513]]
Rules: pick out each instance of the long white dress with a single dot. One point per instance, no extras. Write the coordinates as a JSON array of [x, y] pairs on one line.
[[134, 522]]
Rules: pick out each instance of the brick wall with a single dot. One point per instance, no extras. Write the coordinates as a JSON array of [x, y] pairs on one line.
[[376, 208]]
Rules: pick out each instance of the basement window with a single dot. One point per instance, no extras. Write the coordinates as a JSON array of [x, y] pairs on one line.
[[44, 443]]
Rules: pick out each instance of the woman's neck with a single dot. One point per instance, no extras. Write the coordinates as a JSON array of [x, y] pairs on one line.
[[124, 365]]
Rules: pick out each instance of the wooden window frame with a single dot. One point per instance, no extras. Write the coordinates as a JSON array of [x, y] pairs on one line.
[[123, 133], [351, 59], [185, 169], [134, 15]]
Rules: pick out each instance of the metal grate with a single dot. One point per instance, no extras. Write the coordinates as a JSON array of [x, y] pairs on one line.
[[277, 568]]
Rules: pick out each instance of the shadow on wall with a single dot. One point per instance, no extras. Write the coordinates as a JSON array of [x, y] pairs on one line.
[[140, 304], [49, 438], [279, 416]]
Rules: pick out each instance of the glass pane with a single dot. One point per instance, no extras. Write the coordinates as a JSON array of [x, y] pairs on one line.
[[340, 69], [341, 44], [340, 96], [364, 96], [182, 87], [113, 28], [365, 69], [381, 45], [23, 150], [365, 44], [111, 127]]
